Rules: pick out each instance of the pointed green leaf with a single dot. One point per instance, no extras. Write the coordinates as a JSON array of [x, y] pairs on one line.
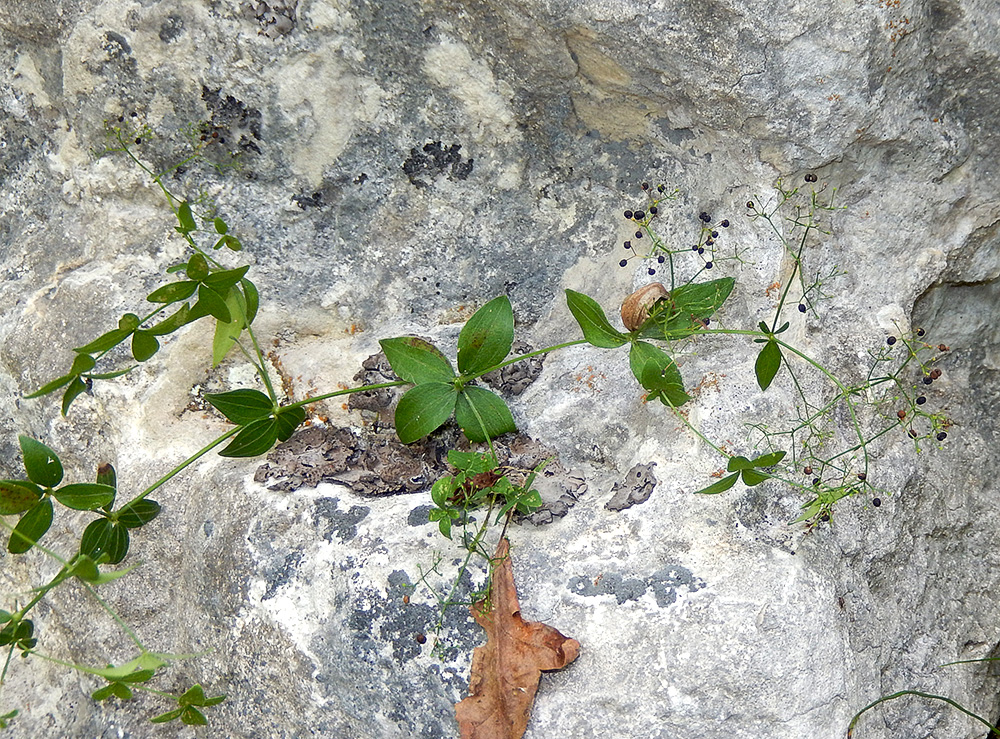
[[423, 408], [441, 490], [173, 292], [116, 547], [105, 341], [40, 462], [225, 279], [54, 385], [241, 406], [753, 477], [115, 689], [17, 496], [688, 306], [31, 527], [768, 460], [721, 486], [95, 537], [139, 513], [212, 303], [738, 463], [185, 218], [767, 364], [197, 267], [492, 411], [106, 475], [84, 496], [596, 328], [129, 322], [471, 463], [486, 338], [111, 375], [191, 716], [82, 363], [226, 334], [168, 716], [85, 569], [75, 389], [193, 696], [232, 243], [181, 317], [287, 420], [256, 438], [252, 299], [220, 226], [144, 345], [658, 374], [417, 361]]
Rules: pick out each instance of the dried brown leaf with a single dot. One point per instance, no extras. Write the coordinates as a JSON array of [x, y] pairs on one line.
[[506, 670]]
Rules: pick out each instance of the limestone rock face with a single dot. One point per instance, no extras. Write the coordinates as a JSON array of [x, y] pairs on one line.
[[389, 167]]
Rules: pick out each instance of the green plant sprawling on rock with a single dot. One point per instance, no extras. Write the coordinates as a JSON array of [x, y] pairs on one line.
[[810, 452]]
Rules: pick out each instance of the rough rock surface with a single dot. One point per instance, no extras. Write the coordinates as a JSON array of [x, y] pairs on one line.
[[400, 164]]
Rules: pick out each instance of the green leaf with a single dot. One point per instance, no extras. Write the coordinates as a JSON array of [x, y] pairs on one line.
[[116, 689], [287, 420], [252, 299], [31, 527], [423, 408], [147, 661], [225, 279], [738, 463], [241, 406], [767, 364], [139, 513], [173, 292], [226, 334], [95, 537], [82, 363], [471, 463], [657, 373], [17, 496], [212, 303], [417, 361], [220, 226], [75, 389], [168, 716], [111, 375], [54, 385], [116, 546], [444, 517], [441, 490], [191, 716], [197, 267], [144, 345], [719, 487], [105, 341], [106, 475], [129, 322], [186, 218], [181, 317], [753, 477], [193, 696], [40, 462], [86, 569], [596, 328], [768, 460], [688, 306], [232, 243], [486, 338], [256, 438], [84, 496], [491, 409]]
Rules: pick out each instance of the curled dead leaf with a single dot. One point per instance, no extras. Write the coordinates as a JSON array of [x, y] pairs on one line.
[[506, 670]]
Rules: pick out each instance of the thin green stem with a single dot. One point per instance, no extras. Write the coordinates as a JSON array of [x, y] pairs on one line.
[[850, 729]]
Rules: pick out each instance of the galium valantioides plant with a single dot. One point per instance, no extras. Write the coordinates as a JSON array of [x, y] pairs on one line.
[[682, 309]]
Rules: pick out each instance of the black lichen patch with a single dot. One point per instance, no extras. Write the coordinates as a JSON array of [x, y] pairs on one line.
[[419, 516], [664, 584], [515, 378], [434, 160], [171, 28], [231, 123], [305, 200], [343, 523], [635, 488]]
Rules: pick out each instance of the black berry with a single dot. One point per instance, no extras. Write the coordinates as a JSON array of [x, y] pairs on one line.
[[921, 400], [628, 214], [802, 308], [645, 185], [891, 340], [816, 481], [877, 502], [942, 436], [701, 250], [750, 204], [928, 380], [825, 517], [912, 433], [628, 244], [715, 234], [724, 223], [138, 141], [810, 177], [661, 188], [862, 476], [622, 263], [653, 210], [708, 265], [639, 215], [638, 234], [651, 271], [920, 332], [661, 259]]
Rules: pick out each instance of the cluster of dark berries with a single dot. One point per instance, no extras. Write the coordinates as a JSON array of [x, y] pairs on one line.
[[810, 177]]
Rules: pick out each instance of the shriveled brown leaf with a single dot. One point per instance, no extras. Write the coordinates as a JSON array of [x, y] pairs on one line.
[[506, 670]]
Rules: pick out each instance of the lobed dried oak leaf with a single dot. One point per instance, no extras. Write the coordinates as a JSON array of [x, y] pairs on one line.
[[506, 670]]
